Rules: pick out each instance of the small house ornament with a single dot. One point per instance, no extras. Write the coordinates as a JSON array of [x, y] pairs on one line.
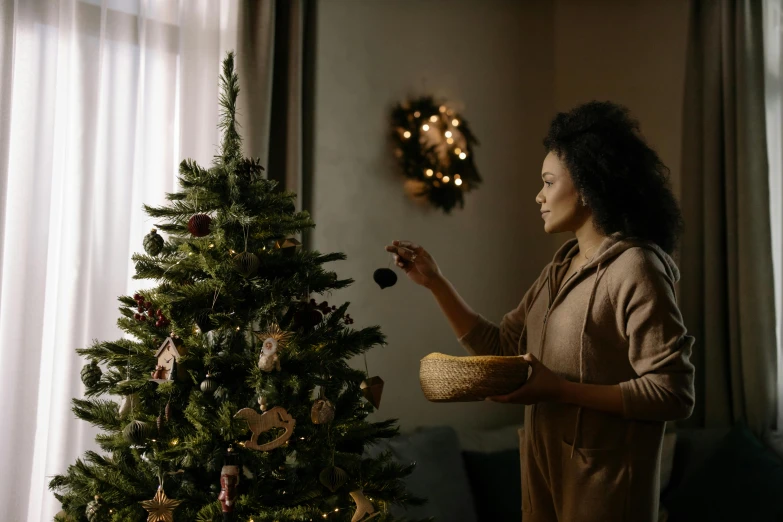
[[168, 367]]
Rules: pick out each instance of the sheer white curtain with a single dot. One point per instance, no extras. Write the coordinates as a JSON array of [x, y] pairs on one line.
[[100, 99], [773, 86]]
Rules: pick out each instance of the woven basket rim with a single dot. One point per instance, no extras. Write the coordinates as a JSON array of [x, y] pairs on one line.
[[471, 358]]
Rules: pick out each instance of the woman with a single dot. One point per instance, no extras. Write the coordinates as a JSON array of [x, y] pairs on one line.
[[600, 327]]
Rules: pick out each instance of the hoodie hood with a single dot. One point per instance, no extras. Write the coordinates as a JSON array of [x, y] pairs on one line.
[[611, 247]]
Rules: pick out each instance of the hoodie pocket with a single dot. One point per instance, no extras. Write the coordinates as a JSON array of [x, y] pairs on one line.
[[595, 484]]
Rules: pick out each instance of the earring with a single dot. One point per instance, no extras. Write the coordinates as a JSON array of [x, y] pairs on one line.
[[582, 200]]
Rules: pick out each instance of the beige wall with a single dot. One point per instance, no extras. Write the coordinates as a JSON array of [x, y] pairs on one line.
[[507, 65], [631, 52]]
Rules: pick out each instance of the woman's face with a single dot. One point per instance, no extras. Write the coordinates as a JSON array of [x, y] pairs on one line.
[[561, 209]]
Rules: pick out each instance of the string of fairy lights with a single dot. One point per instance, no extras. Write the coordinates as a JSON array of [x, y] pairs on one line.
[[434, 148]]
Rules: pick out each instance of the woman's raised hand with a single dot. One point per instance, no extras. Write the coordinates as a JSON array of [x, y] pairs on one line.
[[416, 262]]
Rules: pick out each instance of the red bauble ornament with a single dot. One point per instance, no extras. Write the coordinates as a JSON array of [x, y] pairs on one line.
[[198, 225]]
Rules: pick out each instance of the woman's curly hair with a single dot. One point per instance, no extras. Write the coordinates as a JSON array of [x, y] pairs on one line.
[[621, 178]]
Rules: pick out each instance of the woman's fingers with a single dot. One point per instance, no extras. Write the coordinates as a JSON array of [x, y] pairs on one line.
[[405, 253], [410, 245]]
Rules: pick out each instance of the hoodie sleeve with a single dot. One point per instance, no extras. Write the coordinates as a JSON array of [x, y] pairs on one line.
[[659, 346], [487, 338]]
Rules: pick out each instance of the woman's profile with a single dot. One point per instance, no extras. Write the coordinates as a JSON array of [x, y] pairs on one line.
[[600, 326]]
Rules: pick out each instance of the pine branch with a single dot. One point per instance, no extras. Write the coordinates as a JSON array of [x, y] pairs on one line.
[[101, 413], [229, 90]]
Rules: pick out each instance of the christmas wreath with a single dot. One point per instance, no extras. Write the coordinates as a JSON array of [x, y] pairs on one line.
[[434, 146]]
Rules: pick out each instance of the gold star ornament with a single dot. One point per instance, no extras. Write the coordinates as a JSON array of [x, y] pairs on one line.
[[161, 507]]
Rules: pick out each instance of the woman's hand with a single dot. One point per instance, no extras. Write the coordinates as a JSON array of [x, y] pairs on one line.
[[542, 386], [416, 262]]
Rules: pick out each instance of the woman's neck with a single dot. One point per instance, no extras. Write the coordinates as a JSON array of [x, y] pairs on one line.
[[589, 240]]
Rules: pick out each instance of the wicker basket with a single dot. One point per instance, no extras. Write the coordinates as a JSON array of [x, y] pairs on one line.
[[445, 378]]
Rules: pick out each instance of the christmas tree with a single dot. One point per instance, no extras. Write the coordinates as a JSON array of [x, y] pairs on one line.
[[231, 329]]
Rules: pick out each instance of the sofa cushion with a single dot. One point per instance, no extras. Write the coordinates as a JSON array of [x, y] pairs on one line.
[[490, 440], [741, 479], [439, 475]]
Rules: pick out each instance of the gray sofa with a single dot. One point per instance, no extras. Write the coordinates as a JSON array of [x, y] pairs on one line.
[[473, 476]]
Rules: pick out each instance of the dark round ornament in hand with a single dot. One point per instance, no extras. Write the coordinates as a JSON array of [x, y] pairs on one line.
[[136, 432], [91, 374], [198, 225], [246, 263], [153, 243], [385, 277]]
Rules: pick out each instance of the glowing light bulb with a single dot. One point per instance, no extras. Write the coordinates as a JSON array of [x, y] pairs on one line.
[[211, 245], [456, 176], [429, 172], [425, 127], [439, 175], [458, 182], [406, 134], [457, 151], [442, 108], [450, 141], [446, 179], [463, 156], [455, 122], [433, 118], [231, 251], [416, 114], [448, 134]]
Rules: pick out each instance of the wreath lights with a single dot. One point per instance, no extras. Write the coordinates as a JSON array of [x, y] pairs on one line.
[[434, 146]]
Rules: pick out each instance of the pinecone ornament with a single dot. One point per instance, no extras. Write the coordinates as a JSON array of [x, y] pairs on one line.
[[153, 243], [91, 374]]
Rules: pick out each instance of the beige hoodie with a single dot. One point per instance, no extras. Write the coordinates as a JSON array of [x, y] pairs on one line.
[[616, 321]]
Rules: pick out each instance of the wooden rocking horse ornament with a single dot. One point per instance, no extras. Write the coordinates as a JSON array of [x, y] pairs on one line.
[[260, 423]]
